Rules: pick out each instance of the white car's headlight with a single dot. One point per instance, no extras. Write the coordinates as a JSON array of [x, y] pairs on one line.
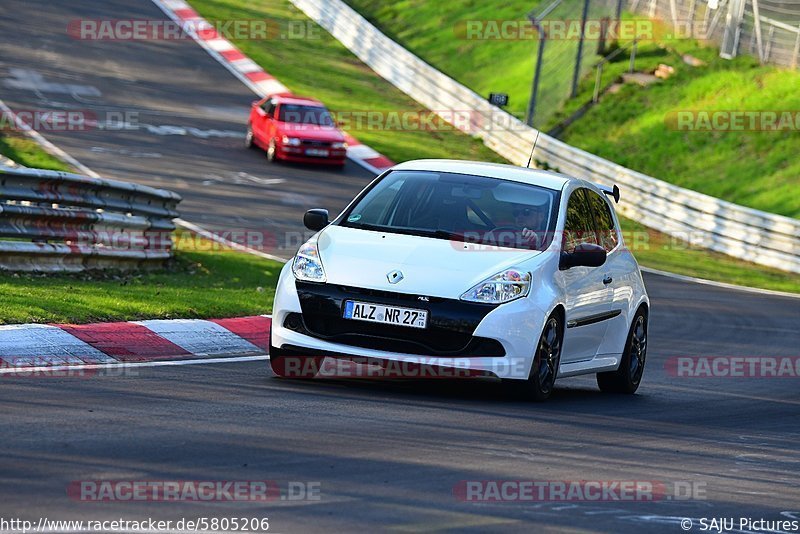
[[307, 265], [503, 287], [291, 141], [339, 145]]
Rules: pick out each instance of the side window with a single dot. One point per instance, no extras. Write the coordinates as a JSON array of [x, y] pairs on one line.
[[269, 107], [606, 230], [579, 227]]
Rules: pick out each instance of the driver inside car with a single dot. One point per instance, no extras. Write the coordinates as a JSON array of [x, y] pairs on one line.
[[531, 219]]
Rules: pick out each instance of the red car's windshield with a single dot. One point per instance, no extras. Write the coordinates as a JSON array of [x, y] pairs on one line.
[[299, 114]]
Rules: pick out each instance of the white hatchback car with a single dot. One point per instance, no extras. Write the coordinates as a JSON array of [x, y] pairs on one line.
[[491, 269]]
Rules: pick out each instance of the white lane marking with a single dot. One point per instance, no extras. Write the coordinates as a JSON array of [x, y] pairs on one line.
[[166, 129], [241, 178], [201, 337], [296, 199], [34, 81], [164, 363], [125, 152], [26, 344], [722, 285]]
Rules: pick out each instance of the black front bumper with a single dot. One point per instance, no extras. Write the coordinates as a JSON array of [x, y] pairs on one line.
[[449, 332]]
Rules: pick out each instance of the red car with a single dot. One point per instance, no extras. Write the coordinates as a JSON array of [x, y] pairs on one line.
[[292, 128]]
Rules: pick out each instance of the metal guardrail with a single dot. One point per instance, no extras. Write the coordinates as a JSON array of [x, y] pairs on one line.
[[748, 234], [56, 221]]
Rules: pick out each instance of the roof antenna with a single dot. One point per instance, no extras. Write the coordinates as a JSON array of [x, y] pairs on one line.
[[534, 148]]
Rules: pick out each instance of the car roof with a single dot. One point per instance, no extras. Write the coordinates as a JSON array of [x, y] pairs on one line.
[[546, 179], [292, 99]]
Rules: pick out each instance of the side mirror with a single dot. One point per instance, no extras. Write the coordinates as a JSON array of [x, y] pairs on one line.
[[584, 255], [316, 219]]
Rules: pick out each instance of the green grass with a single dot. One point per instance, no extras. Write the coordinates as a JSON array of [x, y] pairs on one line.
[[659, 251], [27, 152], [439, 36], [200, 283], [319, 66], [432, 32], [756, 169]]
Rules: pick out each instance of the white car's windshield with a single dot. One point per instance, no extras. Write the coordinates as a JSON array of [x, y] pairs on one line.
[[474, 209]]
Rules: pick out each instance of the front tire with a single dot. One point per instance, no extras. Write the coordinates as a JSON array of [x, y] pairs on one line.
[[544, 369], [627, 378], [272, 151], [248, 137]]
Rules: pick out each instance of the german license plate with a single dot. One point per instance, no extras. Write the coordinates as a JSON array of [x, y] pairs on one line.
[[378, 313], [317, 152]]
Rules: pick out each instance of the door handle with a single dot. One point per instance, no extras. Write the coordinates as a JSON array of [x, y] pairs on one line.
[[607, 280]]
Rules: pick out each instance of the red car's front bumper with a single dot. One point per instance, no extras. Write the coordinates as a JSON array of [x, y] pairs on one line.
[[336, 156]]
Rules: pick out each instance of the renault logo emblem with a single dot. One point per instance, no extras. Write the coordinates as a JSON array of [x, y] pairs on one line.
[[394, 277]]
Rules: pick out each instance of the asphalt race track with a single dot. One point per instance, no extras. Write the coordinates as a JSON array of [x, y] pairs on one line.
[[389, 454], [386, 455], [185, 116]]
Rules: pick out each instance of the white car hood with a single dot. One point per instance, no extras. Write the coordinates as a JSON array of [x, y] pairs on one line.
[[432, 267]]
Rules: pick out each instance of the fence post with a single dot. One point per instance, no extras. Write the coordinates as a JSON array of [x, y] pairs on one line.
[[576, 74], [757, 30], [796, 49], [733, 23], [770, 37], [633, 56], [601, 40], [537, 74]]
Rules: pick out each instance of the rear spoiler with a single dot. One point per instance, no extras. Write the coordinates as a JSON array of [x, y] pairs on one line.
[[613, 192]]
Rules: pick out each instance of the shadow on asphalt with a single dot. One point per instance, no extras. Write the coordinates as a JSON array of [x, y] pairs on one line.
[[472, 390]]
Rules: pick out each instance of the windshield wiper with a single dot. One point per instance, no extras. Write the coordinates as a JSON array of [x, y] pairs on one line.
[[440, 234], [420, 232]]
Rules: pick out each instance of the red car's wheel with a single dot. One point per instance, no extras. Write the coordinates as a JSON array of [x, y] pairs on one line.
[[272, 151], [248, 137]]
